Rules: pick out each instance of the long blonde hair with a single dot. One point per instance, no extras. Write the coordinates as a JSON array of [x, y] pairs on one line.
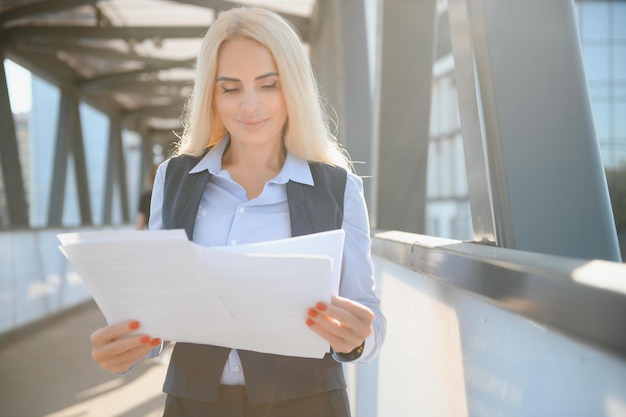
[[307, 133]]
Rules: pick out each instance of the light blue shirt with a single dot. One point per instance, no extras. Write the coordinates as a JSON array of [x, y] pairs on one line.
[[226, 217]]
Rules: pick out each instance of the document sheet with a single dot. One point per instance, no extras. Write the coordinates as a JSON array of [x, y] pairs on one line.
[[252, 297]]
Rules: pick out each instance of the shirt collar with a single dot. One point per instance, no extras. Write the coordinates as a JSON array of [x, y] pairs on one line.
[[294, 168], [212, 161]]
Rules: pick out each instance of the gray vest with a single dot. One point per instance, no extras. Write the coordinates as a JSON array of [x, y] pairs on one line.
[[195, 370]]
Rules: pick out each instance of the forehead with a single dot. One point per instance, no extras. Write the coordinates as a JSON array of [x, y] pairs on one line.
[[244, 56]]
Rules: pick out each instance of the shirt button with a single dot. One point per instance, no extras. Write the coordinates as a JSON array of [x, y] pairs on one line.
[[242, 209], [233, 242], [237, 369]]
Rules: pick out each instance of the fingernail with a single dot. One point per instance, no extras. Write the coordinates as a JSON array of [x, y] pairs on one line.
[[312, 312], [134, 325], [145, 339], [309, 322], [156, 342], [321, 306]]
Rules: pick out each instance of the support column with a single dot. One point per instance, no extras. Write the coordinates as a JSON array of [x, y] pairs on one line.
[[356, 119], [115, 174], [339, 52], [80, 168], [534, 127], [66, 127], [406, 83], [69, 139], [9, 158]]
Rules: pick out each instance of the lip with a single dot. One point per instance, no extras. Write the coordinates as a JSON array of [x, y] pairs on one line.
[[252, 124]]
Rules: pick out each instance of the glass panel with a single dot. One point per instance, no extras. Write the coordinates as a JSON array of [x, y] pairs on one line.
[[620, 156], [71, 208], [602, 121], [4, 208], [461, 177], [607, 154], [619, 20], [434, 113], [431, 178], [44, 117], [599, 90], [594, 21], [95, 127], [620, 120], [619, 62], [596, 62]]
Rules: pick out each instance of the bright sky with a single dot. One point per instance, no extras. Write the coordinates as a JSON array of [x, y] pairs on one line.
[[18, 82]]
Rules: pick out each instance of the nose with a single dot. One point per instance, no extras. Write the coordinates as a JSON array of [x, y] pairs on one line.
[[250, 100]]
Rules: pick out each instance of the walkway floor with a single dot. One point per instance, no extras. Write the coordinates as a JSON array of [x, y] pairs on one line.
[[49, 373]]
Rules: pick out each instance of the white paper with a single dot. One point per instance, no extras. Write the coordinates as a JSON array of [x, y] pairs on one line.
[[252, 297]]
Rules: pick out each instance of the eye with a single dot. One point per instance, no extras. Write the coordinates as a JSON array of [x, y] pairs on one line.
[[270, 86], [229, 90]]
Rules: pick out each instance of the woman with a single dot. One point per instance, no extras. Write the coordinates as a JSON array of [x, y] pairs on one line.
[[258, 149]]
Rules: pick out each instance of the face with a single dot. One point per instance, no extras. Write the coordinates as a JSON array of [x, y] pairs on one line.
[[248, 95]]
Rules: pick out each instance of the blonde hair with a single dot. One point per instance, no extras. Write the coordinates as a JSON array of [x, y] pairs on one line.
[[307, 133]]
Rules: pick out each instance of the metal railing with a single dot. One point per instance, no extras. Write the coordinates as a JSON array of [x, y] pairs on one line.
[[477, 330]]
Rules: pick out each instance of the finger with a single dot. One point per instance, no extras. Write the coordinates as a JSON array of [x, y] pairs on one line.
[[109, 333], [341, 341], [124, 352], [349, 314], [123, 361], [341, 337], [359, 310]]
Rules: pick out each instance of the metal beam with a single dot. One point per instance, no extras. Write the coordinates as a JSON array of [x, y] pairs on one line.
[[174, 110], [60, 75], [151, 88], [9, 158], [40, 7], [52, 48], [116, 32], [105, 81], [301, 23]]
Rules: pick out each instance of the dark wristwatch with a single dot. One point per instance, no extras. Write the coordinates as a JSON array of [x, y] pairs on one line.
[[354, 354]]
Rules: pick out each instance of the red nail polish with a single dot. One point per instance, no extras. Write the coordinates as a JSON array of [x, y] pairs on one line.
[[156, 342], [312, 312], [321, 306], [134, 325], [145, 339], [309, 322]]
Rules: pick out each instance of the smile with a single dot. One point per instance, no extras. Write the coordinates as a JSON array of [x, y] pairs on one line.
[[252, 124]]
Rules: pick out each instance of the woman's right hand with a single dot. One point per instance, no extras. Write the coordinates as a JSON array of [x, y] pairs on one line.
[[116, 351]]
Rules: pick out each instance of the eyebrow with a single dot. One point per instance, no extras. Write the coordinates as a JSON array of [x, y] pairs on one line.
[[260, 77]]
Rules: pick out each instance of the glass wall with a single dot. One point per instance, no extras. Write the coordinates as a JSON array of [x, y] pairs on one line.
[[447, 201], [602, 30]]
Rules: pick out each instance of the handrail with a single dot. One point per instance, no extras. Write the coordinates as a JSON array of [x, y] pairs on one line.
[[581, 298]]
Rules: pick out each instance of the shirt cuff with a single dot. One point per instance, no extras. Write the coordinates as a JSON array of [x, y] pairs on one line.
[[367, 349]]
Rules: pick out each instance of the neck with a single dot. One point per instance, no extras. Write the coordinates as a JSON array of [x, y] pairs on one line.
[[260, 157]]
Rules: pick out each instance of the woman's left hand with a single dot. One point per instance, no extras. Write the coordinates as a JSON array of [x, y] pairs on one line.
[[344, 323]]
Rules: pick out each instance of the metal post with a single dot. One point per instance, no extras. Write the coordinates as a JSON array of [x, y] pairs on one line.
[[405, 93], [65, 130], [531, 104], [80, 169], [9, 158]]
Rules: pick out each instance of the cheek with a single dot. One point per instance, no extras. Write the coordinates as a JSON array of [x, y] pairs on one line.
[[224, 106]]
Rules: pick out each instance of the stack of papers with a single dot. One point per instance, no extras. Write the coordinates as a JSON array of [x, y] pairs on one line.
[[252, 297]]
